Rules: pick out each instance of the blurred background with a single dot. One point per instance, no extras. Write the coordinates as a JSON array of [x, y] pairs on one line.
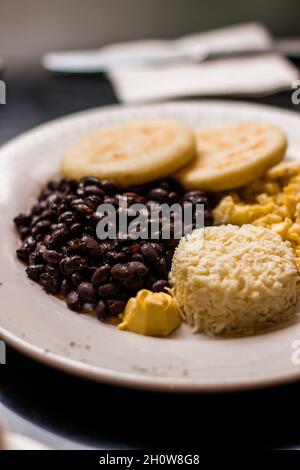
[[29, 28]]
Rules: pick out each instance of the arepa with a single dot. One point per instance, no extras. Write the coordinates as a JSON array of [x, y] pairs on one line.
[[232, 155], [132, 152]]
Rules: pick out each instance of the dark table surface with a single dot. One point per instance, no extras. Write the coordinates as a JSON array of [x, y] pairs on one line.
[[100, 416]]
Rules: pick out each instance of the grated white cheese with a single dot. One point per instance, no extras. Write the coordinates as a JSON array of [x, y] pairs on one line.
[[234, 280]]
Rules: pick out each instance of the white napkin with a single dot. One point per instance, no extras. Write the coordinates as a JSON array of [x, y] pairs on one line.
[[250, 75]]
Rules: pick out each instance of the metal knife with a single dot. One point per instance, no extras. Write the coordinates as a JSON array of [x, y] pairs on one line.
[[101, 60]]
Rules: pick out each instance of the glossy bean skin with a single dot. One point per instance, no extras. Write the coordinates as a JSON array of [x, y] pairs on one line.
[[62, 252]]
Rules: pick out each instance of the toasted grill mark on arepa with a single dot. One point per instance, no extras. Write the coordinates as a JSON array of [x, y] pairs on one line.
[[232, 155], [132, 152]]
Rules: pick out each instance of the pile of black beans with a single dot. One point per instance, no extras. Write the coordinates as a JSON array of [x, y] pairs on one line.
[[64, 255]]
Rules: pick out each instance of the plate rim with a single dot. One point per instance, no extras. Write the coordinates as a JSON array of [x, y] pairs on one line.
[[141, 382], [127, 379]]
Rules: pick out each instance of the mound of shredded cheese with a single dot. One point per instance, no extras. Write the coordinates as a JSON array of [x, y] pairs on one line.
[[234, 280]]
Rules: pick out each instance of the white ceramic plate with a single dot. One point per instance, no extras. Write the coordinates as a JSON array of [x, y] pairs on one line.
[[41, 325]]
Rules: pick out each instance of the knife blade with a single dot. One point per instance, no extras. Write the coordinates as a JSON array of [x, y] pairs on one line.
[[102, 60]]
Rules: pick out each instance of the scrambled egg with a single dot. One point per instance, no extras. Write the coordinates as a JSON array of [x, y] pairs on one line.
[[272, 201]]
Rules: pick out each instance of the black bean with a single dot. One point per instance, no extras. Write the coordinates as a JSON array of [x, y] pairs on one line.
[[90, 245], [36, 209], [92, 201], [161, 267], [70, 264], [53, 227], [66, 286], [114, 257], [76, 201], [34, 220], [45, 193], [73, 246], [75, 230], [115, 307], [165, 184], [139, 268], [107, 290], [195, 197], [110, 200], [51, 256], [86, 292], [159, 248], [122, 272], [169, 257], [83, 209], [62, 226], [136, 248], [158, 194], [105, 247], [39, 237], [159, 286], [22, 219], [132, 198], [41, 227], [126, 250], [172, 243], [47, 214], [136, 284], [69, 185], [24, 232], [27, 247], [64, 254], [173, 197], [89, 180], [53, 198], [77, 279], [149, 280], [35, 258], [101, 275], [73, 300], [88, 230], [149, 252], [123, 293], [63, 208], [138, 257], [40, 248], [53, 269], [101, 309], [43, 205], [68, 217], [92, 190], [109, 186], [80, 192], [54, 185], [88, 272], [50, 283], [34, 271], [68, 199], [57, 238]]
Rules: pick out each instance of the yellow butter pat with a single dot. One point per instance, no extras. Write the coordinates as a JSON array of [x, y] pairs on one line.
[[151, 314]]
